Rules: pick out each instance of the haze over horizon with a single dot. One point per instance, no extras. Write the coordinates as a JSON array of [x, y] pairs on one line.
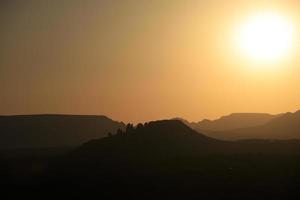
[[137, 61]]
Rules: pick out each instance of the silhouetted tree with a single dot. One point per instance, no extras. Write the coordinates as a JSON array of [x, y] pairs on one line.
[[129, 128], [139, 127], [119, 132]]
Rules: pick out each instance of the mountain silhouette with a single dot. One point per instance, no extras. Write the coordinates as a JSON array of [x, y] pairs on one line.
[[284, 126], [232, 121], [38, 131], [220, 127]]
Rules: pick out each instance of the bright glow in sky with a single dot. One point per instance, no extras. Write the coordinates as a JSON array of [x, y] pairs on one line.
[[144, 60], [266, 37]]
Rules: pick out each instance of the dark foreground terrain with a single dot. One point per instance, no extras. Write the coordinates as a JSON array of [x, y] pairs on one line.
[[157, 160]]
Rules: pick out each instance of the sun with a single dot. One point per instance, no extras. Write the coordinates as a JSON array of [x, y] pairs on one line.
[[266, 37]]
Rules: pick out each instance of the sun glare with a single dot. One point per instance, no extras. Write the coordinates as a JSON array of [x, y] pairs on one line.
[[266, 37]]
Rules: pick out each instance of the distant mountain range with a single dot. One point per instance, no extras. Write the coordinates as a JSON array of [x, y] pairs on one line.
[[285, 126], [35, 131], [233, 121], [250, 126], [40, 131]]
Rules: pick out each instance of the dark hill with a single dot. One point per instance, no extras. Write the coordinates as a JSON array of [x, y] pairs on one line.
[[36, 131], [158, 138], [171, 138]]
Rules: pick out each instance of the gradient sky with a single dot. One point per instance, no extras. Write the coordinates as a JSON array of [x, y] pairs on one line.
[[139, 60]]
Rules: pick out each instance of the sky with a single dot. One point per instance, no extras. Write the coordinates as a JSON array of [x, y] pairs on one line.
[[140, 60]]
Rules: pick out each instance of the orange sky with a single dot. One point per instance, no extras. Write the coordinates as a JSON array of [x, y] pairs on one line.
[[139, 60]]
